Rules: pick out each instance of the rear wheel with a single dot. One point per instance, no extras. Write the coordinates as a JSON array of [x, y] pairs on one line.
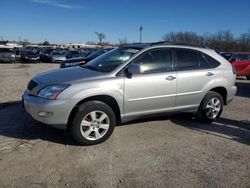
[[93, 123], [211, 107]]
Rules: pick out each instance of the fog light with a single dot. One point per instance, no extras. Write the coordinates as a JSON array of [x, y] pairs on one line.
[[45, 114]]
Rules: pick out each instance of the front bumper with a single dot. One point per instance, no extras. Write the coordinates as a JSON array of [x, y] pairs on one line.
[[58, 110]]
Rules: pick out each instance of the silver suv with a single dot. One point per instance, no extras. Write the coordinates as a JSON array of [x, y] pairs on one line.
[[129, 82]]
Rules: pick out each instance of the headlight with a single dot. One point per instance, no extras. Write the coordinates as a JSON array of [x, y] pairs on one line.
[[52, 91]]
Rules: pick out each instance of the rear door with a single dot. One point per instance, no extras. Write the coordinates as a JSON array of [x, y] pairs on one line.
[[193, 73]]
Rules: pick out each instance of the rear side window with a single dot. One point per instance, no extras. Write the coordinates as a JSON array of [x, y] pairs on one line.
[[155, 61], [186, 59]]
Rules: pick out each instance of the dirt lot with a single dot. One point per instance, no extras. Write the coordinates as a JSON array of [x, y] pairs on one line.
[[171, 151]]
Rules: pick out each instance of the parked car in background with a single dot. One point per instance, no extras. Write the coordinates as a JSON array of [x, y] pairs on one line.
[[7, 55], [44, 54], [73, 54], [226, 55], [240, 61], [242, 68], [82, 60], [57, 56], [18, 55], [130, 82], [236, 56], [30, 56]]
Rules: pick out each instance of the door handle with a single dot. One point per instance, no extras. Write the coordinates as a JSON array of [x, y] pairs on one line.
[[170, 78], [209, 74]]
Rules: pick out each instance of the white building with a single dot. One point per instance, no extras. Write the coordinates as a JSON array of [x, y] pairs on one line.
[[78, 45]]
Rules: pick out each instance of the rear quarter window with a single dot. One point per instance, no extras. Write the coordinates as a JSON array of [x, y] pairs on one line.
[[213, 63]]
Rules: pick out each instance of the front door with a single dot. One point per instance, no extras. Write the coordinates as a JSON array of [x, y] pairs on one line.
[[154, 90]]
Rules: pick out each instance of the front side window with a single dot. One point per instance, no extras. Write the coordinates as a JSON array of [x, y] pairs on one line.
[[155, 61]]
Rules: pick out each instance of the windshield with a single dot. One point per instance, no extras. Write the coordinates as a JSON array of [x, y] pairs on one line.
[[96, 54], [109, 61]]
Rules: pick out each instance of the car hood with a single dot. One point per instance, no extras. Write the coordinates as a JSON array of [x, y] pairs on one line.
[[69, 75]]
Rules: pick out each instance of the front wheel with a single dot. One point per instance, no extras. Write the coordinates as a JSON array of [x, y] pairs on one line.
[[93, 123], [211, 107]]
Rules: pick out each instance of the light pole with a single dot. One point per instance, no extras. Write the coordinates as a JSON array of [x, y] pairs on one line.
[[141, 28]]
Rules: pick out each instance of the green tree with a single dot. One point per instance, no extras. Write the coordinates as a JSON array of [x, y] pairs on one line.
[[46, 43]]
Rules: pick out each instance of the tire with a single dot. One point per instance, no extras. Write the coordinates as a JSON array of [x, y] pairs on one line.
[[93, 123], [210, 108], [248, 77]]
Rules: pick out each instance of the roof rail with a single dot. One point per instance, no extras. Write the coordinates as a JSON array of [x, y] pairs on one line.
[[136, 45], [177, 43]]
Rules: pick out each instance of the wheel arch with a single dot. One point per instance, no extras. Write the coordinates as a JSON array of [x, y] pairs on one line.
[[110, 101], [222, 91]]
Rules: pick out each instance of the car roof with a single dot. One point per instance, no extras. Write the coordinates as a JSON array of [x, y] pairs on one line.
[[136, 45]]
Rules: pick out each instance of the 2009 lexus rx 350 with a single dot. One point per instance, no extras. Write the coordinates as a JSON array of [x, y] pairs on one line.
[[129, 82]]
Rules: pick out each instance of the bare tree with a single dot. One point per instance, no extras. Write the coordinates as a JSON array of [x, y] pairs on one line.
[[244, 41], [221, 40], [123, 41], [184, 37], [100, 36], [25, 42], [224, 41]]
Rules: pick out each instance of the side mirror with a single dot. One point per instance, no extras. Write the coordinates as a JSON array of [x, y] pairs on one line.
[[134, 69]]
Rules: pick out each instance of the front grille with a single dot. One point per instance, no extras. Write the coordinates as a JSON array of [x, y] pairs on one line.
[[32, 84]]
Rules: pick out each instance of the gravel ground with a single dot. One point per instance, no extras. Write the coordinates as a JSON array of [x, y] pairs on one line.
[[171, 151]]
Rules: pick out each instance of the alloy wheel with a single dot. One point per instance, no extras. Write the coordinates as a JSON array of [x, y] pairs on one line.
[[213, 108], [94, 125]]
